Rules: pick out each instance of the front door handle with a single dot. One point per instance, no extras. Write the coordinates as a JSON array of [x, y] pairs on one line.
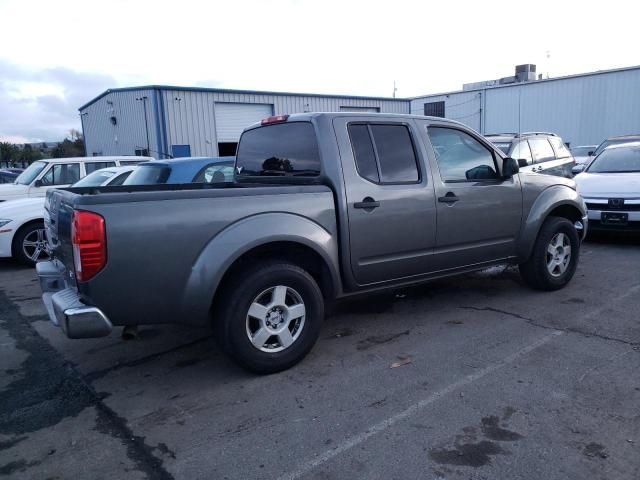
[[449, 198], [367, 203]]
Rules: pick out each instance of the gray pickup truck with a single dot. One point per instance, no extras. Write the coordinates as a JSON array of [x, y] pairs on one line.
[[325, 205]]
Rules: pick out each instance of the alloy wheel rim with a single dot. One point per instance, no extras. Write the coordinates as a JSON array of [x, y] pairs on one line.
[[275, 319], [558, 255], [35, 245]]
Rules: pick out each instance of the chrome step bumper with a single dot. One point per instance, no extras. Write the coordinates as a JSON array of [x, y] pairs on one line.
[[65, 308]]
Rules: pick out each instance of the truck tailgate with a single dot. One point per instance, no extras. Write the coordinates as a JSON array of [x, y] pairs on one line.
[[58, 216]]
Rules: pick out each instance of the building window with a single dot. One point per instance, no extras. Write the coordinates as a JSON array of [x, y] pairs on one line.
[[434, 109], [142, 152]]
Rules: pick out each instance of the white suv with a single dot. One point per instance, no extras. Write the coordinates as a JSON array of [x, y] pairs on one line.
[[59, 172]]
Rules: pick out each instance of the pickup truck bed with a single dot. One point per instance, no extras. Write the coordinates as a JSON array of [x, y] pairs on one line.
[[166, 252]]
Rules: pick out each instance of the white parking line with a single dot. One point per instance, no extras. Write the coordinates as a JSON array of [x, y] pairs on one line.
[[398, 417]]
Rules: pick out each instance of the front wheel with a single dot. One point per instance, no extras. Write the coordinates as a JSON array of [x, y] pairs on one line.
[[270, 317], [554, 258], [30, 244]]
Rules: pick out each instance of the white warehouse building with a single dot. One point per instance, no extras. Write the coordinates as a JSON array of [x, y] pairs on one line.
[[169, 121], [165, 121], [583, 109]]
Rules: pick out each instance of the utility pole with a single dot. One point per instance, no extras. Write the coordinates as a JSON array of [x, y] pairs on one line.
[[394, 89]]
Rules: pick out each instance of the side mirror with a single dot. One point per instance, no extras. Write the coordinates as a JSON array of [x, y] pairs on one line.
[[578, 168], [37, 183], [522, 162], [591, 153], [509, 167]]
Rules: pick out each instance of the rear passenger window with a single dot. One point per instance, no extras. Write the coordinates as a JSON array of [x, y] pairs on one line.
[[384, 153], [363, 152], [522, 151], [93, 166], [561, 149], [541, 149]]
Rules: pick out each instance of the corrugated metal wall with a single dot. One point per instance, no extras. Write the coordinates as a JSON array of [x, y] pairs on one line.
[[583, 109], [129, 132], [463, 107], [189, 117]]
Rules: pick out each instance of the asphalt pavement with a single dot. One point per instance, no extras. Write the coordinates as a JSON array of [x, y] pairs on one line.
[[473, 377]]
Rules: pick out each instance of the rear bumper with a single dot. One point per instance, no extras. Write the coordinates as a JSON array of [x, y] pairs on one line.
[[65, 308]]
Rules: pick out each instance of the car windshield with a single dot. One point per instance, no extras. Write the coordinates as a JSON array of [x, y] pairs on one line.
[[95, 179], [608, 143], [504, 146], [26, 177], [149, 175], [617, 160]]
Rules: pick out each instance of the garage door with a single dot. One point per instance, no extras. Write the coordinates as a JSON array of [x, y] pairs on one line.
[[232, 118], [360, 109]]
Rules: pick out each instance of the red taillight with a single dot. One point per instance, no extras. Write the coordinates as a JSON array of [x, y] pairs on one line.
[[89, 244], [274, 119]]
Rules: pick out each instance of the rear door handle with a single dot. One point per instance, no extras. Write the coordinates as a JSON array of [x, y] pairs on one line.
[[367, 203], [450, 198]]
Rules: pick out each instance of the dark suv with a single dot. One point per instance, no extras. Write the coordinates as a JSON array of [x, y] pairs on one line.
[[539, 152]]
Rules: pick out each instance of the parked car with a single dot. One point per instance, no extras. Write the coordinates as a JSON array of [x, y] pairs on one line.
[[610, 187], [184, 170], [22, 232], [9, 175], [324, 206], [42, 175], [538, 152], [582, 154]]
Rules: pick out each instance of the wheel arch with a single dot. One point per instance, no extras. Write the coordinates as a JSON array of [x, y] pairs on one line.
[[303, 242], [557, 201]]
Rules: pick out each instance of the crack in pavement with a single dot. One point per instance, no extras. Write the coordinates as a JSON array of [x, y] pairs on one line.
[[51, 389], [98, 374], [536, 323]]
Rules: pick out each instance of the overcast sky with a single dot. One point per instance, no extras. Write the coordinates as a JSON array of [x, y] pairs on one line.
[[57, 55]]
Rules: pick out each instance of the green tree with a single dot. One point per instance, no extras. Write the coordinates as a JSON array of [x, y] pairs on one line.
[[7, 151], [29, 154]]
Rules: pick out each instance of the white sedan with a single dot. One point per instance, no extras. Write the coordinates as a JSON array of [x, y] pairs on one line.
[[22, 232], [610, 186]]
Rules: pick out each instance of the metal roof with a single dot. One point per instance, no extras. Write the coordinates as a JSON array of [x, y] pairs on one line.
[[532, 82], [226, 90]]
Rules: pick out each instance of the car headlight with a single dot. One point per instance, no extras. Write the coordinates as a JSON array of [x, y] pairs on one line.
[[3, 222]]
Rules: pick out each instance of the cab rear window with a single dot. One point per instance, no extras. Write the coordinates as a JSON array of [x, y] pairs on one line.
[[281, 150]]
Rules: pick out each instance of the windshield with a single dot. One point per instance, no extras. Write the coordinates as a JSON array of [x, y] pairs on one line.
[[616, 160], [95, 179], [26, 177], [149, 175], [608, 143]]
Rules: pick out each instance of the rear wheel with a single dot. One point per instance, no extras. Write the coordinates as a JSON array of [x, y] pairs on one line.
[[270, 316], [30, 244], [554, 258]]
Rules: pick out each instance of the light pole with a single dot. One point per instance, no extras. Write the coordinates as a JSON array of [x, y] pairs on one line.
[[84, 136], [143, 99]]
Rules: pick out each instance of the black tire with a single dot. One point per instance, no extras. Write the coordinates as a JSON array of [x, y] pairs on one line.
[[27, 230], [232, 325], [535, 272]]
